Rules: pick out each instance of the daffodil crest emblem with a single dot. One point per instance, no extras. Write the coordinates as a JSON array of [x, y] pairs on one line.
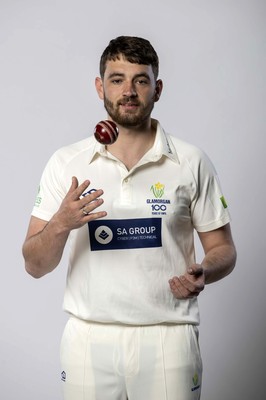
[[158, 190]]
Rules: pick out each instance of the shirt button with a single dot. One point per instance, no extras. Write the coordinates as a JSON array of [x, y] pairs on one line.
[[126, 180]]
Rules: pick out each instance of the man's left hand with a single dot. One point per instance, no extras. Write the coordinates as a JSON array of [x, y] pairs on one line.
[[190, 284]]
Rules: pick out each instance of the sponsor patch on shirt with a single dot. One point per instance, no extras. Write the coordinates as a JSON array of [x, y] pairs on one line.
[[119, 234]]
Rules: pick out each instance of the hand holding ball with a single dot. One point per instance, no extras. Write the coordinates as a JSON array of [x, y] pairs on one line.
[[106, 132]]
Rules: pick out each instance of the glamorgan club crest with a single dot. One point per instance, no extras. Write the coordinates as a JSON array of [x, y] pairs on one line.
[[158, 190]]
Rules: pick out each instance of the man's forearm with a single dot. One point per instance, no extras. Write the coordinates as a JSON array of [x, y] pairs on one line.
[[219, 262], [43, 251]]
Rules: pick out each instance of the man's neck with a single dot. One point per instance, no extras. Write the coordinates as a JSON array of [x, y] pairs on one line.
[[132, 144]]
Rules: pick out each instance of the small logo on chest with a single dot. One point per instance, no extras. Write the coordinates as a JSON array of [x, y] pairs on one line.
[[158, 204]]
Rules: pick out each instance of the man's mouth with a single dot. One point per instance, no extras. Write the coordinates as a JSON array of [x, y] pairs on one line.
[[128, 103]]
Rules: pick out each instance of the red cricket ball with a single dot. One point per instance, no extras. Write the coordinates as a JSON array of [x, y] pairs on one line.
[[106, 132]]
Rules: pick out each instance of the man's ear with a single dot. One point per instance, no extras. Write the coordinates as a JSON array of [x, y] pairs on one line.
[[158, 89], [99, 87]]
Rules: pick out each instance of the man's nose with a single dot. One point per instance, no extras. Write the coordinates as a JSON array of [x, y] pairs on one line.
[[129, 89]]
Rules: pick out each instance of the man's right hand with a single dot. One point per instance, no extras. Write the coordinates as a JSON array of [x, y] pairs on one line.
[[75, 210], [45, 240]]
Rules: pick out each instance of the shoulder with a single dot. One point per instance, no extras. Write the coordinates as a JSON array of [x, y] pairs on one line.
[[185, 149], [74, 151], [190, 154]]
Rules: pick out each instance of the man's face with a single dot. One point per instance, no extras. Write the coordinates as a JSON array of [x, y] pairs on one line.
[[129, 92]]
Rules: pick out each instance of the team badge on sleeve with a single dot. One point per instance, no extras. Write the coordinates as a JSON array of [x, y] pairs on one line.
[[223, 202]]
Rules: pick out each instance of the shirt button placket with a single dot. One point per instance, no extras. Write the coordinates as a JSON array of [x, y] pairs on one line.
[[126, 190]]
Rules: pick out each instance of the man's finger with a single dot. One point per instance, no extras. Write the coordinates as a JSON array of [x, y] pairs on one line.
[[76, 190], [195, 270]]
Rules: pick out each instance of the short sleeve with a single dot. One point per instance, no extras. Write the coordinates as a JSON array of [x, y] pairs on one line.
[[209, 209], [51, 190]]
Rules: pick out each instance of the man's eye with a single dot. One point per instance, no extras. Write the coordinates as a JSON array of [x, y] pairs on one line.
[[142, 82], [116, 81]]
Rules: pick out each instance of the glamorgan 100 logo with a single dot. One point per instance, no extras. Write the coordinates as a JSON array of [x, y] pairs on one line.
[[158, 205]]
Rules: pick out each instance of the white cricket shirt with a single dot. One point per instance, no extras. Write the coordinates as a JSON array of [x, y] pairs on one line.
[[119, 266]]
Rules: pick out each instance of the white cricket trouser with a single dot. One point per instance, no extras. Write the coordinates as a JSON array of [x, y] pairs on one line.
[[118, 362]]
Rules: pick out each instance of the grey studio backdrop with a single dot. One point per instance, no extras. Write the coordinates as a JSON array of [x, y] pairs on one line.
[[213, 66]]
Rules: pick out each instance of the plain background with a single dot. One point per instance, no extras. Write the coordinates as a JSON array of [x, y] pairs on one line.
[[213, 63]]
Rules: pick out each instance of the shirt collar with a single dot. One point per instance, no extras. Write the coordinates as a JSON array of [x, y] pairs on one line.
[[162, 146], [97, 149]]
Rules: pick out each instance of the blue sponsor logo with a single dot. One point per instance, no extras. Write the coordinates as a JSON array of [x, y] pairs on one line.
[[119, 234]]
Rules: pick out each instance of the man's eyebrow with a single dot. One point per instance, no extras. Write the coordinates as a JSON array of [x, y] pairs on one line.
[[115, 74], [122, 75]]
